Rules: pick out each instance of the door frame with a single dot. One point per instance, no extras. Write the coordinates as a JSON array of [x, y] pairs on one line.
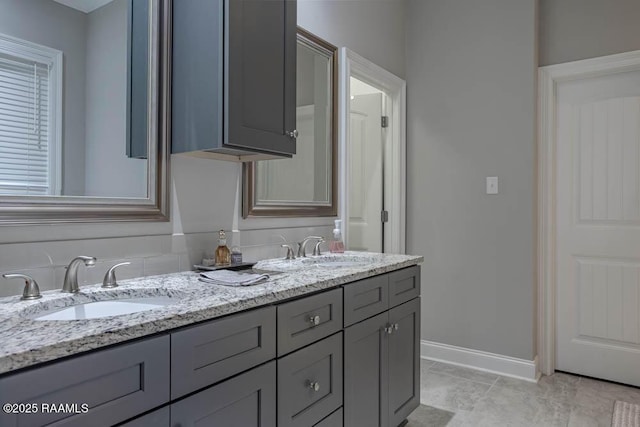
[[548, 79], [354, 65]]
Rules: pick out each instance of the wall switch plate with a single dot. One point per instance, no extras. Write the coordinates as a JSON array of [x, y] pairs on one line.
[[492, 185]]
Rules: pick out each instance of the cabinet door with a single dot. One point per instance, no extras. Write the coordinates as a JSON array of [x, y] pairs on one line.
[[197, 75], [333, 420], [310, 383], [404, 361], [365, 370], [260, 80], [248, 400]]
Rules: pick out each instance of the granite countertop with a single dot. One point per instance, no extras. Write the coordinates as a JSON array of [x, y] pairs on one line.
[[25, 342]]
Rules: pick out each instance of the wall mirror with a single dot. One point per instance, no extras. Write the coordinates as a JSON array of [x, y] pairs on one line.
[[305, 185], [83, 110]]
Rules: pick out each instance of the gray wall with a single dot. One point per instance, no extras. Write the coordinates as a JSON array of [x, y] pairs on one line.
[[579, 29], [371, 28], [51, 24], [471, 114], [110, 172]]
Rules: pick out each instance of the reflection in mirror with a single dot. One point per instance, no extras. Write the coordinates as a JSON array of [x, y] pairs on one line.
[[73, 98], [83, 110], [304, 185]]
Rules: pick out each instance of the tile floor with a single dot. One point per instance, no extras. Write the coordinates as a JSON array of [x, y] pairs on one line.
[[454, 396]]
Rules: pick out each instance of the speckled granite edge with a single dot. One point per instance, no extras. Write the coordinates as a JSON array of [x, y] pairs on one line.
[[26, 342]]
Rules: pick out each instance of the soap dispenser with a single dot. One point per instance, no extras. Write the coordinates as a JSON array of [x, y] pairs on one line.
[[336, 246], [223, 255]]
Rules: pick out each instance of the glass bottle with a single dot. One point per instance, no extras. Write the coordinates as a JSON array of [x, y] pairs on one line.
[[223, 255]]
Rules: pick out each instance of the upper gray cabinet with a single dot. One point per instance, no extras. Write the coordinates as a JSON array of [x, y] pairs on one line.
[[234, 79]]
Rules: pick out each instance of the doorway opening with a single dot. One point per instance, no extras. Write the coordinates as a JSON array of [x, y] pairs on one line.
[[366, 145], [372, 156]]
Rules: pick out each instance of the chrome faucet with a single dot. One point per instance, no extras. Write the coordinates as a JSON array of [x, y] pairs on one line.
[[70, 284], [303, 244]]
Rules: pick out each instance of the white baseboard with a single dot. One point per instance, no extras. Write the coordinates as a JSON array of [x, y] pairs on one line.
[[480, 360]]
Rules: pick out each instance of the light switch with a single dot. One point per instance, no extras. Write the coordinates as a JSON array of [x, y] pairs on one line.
[[492, 185]]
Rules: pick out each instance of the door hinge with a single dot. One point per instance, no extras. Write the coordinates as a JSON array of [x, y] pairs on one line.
[[384, 216], [385, 121]]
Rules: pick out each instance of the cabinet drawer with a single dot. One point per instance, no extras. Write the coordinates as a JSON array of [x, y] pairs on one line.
[[310, 383], [205, 354], [404, 285], [365, 299], [333, 420], [248, 400], [309, 319], [117, 384], [158, 418]]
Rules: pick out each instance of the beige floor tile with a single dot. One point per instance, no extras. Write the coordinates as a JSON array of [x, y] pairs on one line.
[[450, 393]]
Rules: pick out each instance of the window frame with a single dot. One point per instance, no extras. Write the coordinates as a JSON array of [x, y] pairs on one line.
[[30, 51]]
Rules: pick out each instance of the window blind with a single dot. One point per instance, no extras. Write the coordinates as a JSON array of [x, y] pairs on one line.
[[24, 127]]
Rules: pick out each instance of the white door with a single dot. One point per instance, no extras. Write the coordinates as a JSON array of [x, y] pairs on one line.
[[598, 227], [365, 173]]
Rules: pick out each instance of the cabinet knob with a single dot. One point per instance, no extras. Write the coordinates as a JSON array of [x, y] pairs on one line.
[[388, 329], [314, 385], [292, 133], [314, 320], [396, 326]]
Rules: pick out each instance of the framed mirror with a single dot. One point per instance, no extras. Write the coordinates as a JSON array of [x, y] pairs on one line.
[[305, 185], [84, 111]]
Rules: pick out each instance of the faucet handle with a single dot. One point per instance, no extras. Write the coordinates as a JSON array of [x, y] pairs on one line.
[[31, 289], [110, 278], [290, 254], [316, 249]]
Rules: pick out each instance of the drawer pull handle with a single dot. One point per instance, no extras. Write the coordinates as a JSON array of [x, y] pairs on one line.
[[314, 386], [314, 320]]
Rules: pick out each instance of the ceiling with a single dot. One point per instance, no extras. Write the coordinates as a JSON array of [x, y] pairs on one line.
[[85, 6]]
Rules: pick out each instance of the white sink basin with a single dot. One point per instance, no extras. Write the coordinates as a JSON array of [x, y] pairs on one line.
[[343, 261], [335, 264], [99, 309]]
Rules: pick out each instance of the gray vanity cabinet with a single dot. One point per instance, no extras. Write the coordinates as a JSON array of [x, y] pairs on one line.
[[347, 356], [234, 78], [248, 400], [382, 370]]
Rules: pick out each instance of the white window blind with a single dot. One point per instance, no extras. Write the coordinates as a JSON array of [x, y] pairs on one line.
[[25, 127]]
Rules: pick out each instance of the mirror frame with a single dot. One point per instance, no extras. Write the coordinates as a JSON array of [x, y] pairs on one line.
[[249, 207], [21, 210]]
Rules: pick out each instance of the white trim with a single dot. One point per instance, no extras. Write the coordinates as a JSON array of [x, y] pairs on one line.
[[480, 360], [53, 57], [548, 79], [352, 64]]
